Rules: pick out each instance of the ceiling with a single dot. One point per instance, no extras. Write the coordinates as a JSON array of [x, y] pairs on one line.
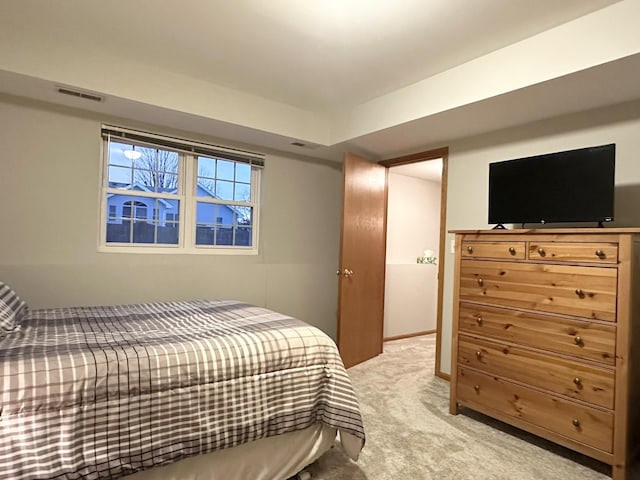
[[324, 62], [430, 170]]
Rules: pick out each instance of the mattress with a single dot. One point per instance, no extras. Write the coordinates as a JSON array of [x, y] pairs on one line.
[[103, 392]]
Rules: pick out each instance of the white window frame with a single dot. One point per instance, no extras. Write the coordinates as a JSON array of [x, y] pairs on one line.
[[186, 194]]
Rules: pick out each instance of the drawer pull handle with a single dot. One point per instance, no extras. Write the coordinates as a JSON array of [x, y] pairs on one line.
[[479, 320], [578, 340], [580, 292], [600, 254], [480, 281], [512, 250], [541, 252], [577, 381], [476, 388], [479, 355], [470, 249], [576, 423]]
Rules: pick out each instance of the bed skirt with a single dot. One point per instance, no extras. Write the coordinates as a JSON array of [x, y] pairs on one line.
[[272, 458]]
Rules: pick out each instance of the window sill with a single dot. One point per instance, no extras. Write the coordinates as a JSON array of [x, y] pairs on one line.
[[177, 250]]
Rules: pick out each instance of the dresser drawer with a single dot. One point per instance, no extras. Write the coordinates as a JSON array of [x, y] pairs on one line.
[[584, 424], [582, 339], [564, 289], [574, 379], [574, 252], [497, 250]]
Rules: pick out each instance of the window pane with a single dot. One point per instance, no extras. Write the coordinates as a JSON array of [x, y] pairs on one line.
[[212, 221], [206, 217], [243, 192], [244, 236], [168, 234], [244, 215], [144, 232], [224, 190], [206, 185], [224, 225], [206, 213], [206, 188], [118, 228], [224, 235], [244, 229], [168, 210], [119, 177], [243, 172], [230, 235], [156, 170], [115, 206], [117, 155], [119, 232], [154, 181], [158, 160], [146, 215], [225, 169], [206, 167]]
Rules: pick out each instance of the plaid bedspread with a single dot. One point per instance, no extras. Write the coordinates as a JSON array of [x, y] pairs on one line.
[[102, 392]]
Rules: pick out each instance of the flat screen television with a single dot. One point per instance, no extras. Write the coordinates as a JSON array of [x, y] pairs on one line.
[[562, 187]]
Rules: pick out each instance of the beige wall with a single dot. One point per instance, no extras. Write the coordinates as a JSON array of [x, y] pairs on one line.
[[469, 160], [413, 226], [50, 193]]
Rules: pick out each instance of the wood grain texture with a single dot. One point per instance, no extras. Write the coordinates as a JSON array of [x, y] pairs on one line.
[[453, 395], [513, 250], [594, 427], [563, 289], [574, 252], [363, 245], [555, 329], [628, 408], [571, 378], [565, 335]]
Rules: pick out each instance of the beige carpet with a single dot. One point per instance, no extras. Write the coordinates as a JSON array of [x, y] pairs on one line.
[[411, 436]]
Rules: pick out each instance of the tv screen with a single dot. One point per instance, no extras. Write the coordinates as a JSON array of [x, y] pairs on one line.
[[571, 186]]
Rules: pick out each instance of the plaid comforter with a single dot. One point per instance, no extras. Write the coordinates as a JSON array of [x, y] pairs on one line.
[[101, 392]]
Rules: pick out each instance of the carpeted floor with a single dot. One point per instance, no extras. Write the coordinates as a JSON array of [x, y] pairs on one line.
[[411, 436]]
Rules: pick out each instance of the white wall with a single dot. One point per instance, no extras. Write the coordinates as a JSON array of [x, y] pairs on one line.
[[467, 182], [50, 193], [413, 223]]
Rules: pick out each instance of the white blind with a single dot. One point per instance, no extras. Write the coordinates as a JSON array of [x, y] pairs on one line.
[[183, 145]]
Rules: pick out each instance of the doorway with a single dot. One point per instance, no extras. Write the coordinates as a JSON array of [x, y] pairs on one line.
[[413, 241], [416, 212]]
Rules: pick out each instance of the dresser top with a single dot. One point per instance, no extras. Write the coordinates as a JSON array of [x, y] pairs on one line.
[[551, 231]]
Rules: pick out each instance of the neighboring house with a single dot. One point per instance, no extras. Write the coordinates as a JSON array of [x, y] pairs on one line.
[[124, 207], [156, 220]]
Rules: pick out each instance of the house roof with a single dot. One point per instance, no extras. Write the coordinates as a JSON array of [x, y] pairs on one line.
[[142, 188], [379, 76]]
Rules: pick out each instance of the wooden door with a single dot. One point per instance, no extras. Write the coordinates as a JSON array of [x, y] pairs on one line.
[[362, 260]]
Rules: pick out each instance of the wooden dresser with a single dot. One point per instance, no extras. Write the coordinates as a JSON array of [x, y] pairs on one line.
[[544, 325]]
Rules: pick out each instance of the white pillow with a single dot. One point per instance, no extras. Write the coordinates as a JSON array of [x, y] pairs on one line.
[[11, 309]]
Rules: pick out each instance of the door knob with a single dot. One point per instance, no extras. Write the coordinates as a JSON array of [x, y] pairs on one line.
[[347, 273]]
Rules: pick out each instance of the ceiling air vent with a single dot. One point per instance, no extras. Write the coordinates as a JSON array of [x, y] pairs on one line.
[[300, 144], [80, 94]]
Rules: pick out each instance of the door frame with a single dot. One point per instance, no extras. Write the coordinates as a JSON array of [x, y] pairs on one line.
[[422, 157]]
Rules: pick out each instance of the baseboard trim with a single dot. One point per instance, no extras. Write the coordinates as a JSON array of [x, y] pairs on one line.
[[408, 335]]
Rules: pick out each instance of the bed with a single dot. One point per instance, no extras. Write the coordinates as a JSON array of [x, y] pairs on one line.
[[173, 390]]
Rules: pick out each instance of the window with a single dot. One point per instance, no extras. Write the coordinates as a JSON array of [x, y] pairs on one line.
[[163, 194]]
